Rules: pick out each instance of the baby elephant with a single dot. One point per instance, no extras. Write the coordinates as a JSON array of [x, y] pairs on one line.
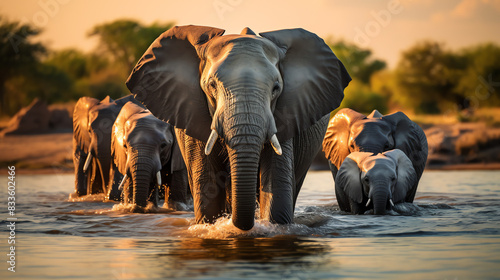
[[144, 150], [375, 181]]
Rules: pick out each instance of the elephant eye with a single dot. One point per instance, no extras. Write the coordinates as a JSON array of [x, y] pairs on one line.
[[163, 145], [276, 88], [212, 84]]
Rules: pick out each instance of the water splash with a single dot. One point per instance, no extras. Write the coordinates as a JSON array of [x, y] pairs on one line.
[[133, 208], [224, 228]]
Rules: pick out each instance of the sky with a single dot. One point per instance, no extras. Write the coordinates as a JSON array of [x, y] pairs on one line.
[[386, 27]]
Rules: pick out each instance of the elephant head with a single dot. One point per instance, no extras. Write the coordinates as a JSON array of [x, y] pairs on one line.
[[141, 145], [81, 141], [242, 91], [350, 131], [92, 123], [377, 181]]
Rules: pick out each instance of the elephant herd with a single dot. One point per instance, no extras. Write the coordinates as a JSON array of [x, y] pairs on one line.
[[122, 150], [233, 122]]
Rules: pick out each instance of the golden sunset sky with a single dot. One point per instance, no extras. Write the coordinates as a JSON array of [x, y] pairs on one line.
[[385, 26]]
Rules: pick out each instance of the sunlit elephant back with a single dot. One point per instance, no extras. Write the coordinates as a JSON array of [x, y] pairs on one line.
[[92, 123], [246, 109]]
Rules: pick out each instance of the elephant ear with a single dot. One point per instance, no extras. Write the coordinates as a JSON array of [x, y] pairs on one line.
[[313, 80], [81, 121], [349, 176], [336, 142], [118, 135], [167, 79], [407, 176], [409, 138]]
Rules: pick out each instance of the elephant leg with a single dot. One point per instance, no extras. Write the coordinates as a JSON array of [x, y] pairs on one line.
[[176, 193], [276, 184], [411, 193], [115, 180], [306, 146], [80, 176], [207, 176]]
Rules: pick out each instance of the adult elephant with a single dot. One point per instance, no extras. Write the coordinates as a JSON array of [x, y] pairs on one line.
[[92, 123], [375, 181], [233, 100], [350, 131], [144, 150]]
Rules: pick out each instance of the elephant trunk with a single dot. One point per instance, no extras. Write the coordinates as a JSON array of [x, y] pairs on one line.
[[245, 131], [380, 198], [142, 170], [244, 174]]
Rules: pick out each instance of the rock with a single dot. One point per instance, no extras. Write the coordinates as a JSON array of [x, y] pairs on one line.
[[29, 120], [462, 143]]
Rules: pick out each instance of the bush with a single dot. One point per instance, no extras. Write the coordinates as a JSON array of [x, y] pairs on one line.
[[361, 98]]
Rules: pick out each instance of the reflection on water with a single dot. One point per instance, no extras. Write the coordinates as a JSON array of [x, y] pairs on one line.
[[452, 231]]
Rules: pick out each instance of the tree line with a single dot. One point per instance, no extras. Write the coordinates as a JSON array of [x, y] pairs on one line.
[[429, 78]]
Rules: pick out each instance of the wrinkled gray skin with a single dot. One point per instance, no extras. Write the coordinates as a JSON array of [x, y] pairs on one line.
[[375, 181], [228, 97], [92, 123], [350, 131], [144, 148]]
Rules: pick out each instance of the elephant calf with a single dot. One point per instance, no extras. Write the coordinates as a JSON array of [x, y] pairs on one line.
[[375, 181], [145, 151], [350, 131]]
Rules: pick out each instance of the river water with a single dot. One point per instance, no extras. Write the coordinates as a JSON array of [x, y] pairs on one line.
[[452, 231]]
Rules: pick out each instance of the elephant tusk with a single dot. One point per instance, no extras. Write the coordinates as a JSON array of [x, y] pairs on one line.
[[276, 145], [120, 187], [87, 163], [368, 203], [158, 178], [391, 202], [211, 141]]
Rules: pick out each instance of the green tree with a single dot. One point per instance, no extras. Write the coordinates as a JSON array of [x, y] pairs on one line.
[[360, 97], [480, 82], [358, 62], [426, 78], [125, 41], [77, 64], [19, 55]]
